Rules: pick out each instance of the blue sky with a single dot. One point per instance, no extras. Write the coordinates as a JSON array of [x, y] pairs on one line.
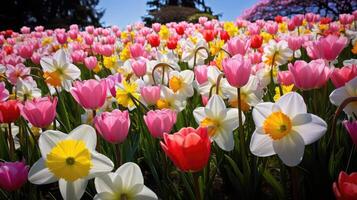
[[123, 12]]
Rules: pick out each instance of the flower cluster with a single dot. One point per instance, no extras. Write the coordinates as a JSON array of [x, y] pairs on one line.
[[218, 99]]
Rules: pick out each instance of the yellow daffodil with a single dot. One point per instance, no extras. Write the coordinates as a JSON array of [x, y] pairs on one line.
[[126, 92]]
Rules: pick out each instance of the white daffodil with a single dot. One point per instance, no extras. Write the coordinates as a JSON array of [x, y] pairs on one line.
[[340, 94], [70, 159], [171, 100], [220, 121], [284, 128], [27, 89], [58, 71], [279, 53], [126, 182], [189, 51], [251, 94], [210, 86], [181, 83]]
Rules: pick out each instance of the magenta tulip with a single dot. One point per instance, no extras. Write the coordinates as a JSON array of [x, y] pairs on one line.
[[13, 175]]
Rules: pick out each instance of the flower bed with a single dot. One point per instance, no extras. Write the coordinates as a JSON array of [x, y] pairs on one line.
[[213, 110]]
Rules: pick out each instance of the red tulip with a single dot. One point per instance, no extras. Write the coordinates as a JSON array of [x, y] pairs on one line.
[[9, 111], [153, 40], [278, 19], [172, 43], [189, 149], [180, 29], [256, 41], [224, 35], [208, 35], [346, 186]]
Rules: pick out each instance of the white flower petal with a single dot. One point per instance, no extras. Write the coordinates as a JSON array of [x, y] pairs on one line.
[[71, 72], [104, 183], [146, 194], [292, 104], [187, 76], [130, 174], [216, 105], [85, 133], [231, 121], [60, 57], [199, 114], [72, 190], [48, 140], [47, 64], [104, 196], [290, 149], [224, 139], [309, 126], [261, 144], [261, 112], [101, 164], [39, 173]]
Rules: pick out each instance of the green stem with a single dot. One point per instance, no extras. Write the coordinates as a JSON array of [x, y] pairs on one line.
[[295, 183], [197, 186], [118, 155], [11, 143]]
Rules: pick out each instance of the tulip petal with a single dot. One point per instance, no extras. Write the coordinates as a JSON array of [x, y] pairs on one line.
[[72, 190], [261, 144], [309, 126], [290, 149], [40, 174]]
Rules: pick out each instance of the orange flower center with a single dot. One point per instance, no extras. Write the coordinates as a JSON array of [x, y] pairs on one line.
[[277, 125]]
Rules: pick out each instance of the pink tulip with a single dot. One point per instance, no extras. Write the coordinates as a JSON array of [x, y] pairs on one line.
[[25, 30], [237, 70], [139, 67], [297, 19], [36, 58], [346, 19], [61, 38], [327, 48], [160, 121], [40, 112], [113, 126], [285, 78], [201, 73], [150, 94], [255, 57], [237, 46], [271, 28], [112, 80], [78, 56], [90, 94], [106, 50], [309, 75], [136, 50], [156, 27], [90, 62], [18, 71], [89, 39], [13, 175], [25, 50], [341, 76], [4, 94], [295, 43], [351, 128]]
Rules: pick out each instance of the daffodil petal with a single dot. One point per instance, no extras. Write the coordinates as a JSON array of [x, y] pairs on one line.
[[261, 144], [290, 149], [101, 164], [48, 140], [130, 174], [310, 127], [146, 194], [261, 112], [292, 104], [39, 173], [72, 190], [224, 139], [104, 183], [216, 104], [85, 133], [199, 114]]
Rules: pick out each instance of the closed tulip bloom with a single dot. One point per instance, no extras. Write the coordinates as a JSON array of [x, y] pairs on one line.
[[346, 186], [327, 48], [351, 128], [285, 78], [90, 94], [309, 75], [237, 46], [139, 67], [13, 175], [340, 76], [136, 50], [150, 94], [90, 62], [201, 74], [189, 149], [237, 70], [160, 121], [9, 111], [113, 126], [40, 112]]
